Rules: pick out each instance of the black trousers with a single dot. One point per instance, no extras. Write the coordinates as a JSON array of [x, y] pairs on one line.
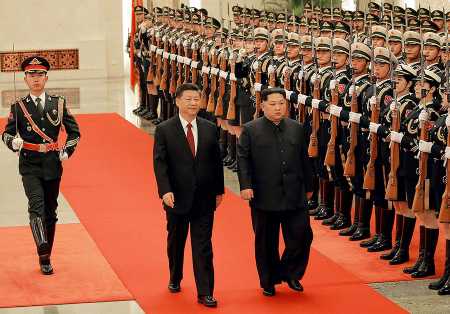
[[297, 235], [202, 254], [42, 198]]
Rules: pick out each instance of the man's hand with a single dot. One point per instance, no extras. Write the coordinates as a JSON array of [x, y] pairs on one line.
[[219, 199], [247, 194], [17, 143], [63, 155], [169, 199], [309, 195]]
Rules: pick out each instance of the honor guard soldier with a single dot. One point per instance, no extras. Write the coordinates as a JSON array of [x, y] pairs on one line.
[[432, 52], [277, 62], [359, 27], [395, 44], [32, 131], [412, 42]]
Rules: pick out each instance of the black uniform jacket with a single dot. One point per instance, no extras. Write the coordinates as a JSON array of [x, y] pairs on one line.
[[273, 161], [43, 165], [194, 181]]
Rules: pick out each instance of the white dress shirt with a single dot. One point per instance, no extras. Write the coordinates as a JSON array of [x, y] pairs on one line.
[[184, 124], [42, 97]]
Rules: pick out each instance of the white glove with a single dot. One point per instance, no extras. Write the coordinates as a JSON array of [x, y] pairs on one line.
[[165, 55], [270, 69], [300, 75], [351, 89], [178, 42], [302, 99], [152, 48], [255, 66], [223, 74], [315, 103], [159, 51], [187, 60], [447, 121], [286, 71], [333, 84], [194, 64], [396, 137], [314, 77], [425, 147], [373, 127], [423, 116], [335, 110], [372, 101], [215, 71], [447, 152], [257, 87], [173, 57], [180, 59], [205, 70], [393, 106], [17, 143], [63, 155], [354, 117], [233, 77], [288, 94]]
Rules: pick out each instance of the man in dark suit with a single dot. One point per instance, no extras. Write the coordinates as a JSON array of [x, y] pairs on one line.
[[189, 173], [275, 176], [32, 130]]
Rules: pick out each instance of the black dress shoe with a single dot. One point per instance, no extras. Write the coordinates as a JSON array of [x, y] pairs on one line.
[[45, 265], [229, 162], [142, 112], [324, 214], [231, 166], [312, 207], [226, 159], [341, 223], [295, 285], [381, 245], [349, 231], [360, 234], [207, 300], [269, 292], [402, 256], [391, 254], [425, 269], [150, 116], [157, 121], [370, 242], [330, 221], [415, 267], [174, 287]]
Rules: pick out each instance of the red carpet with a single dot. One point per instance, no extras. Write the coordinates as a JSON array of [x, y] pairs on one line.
[[111, 186], [81, 272]]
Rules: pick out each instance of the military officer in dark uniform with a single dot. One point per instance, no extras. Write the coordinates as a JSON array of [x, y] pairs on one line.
[[275, 176], [32, 130]]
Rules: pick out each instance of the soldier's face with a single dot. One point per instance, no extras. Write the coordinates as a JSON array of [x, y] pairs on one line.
[[271, 25], [341, 35], [291, 28], [340, 59], [188, 103], [293, 51], [249, 48], [278, 48], [439, 23], [36, 81], [431, 53], [358, 25], [325, 34], [261, 45], [209, 31], [274, 107], [395, 47], [378, 42], [425, 86], [402, 85], [323, 57], [445, 56], [359, 65], [307, 55], [139, 18], [237, 19], [238, 43], [381, 70], [303, 29], [412, 51]]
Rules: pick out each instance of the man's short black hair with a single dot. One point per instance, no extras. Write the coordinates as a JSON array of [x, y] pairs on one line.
[[185, 87], [271, 90]]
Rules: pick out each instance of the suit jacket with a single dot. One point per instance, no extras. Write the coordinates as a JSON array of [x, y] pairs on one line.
[[273, 161], [44, 165], [195, 181]]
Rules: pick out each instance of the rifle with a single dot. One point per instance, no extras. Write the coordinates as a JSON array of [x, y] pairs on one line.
[[173, 68], [211, 105], [163, 73], [369, 177], [231, 113], [151, 76], [419, 196], [205, 78], [223, 67], [195, 56], [287, 70], [258, 75], [313, 148], [181, 52]]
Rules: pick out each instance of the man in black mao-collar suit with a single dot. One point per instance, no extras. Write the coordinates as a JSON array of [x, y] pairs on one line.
[[189, 174]]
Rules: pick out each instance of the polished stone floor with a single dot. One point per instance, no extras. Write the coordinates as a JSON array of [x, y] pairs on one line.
[[99, 96]]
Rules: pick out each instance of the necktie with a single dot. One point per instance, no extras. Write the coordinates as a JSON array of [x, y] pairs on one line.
[[190, 138], [39, 106]]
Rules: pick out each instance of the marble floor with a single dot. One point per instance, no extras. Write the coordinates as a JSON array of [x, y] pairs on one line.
[[114, 95]]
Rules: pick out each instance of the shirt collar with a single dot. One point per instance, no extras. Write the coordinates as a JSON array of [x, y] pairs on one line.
[[184, 123], [41, 96], [279, 126]]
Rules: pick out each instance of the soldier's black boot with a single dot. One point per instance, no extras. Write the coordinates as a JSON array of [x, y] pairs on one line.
[[232, 163], [345, 218], [439, 284], [313, 204], [385, 239], [402, 255], [231, 151], [350, 230], [427, 267], [328, 210], [42, 245], [415, 267], [337, 208], [321, 207], [363, 230], [223, 135], [374, 239], [398, 235], [445, 290], [151, 114]]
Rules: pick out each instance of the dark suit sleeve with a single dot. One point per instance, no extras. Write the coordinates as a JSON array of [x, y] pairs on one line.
[[244, 160], [72, 130], [10, 129], [220, 188], [307, 173], [160, 163]]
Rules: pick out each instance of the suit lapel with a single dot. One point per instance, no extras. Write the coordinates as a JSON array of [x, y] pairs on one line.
[[32, 109], [180, 134], [200, 138]]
